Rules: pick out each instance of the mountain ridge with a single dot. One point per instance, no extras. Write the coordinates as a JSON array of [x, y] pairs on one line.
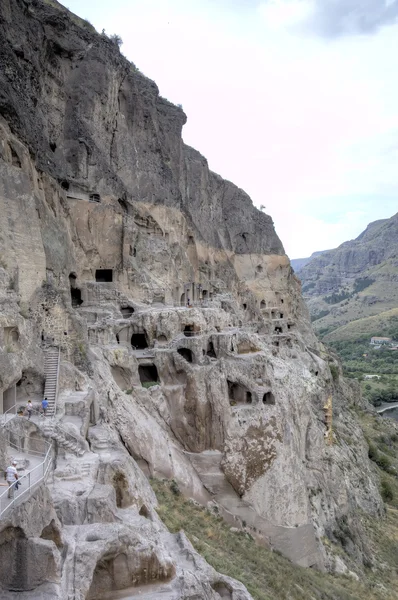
[[359, 279]]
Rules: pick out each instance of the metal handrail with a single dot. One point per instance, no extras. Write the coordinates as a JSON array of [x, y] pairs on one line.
[[3, 416], [48, 421], [56, 387], [21, 447], [28, 482], [194, 303]]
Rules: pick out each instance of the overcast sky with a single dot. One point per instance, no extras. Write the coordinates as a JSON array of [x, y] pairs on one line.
[[295, 101]]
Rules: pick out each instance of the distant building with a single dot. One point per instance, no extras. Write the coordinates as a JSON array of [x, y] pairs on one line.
[[380, 340], [372, 377]]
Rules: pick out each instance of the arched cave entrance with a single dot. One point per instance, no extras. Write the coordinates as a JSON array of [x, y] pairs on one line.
[[185, 353], [114, 572], [148, 375], [139, 341], [127, 311], [269, 398], [31, 385], [182, 299], [238, 394], [188, 330], [263, 304], [25, 564]]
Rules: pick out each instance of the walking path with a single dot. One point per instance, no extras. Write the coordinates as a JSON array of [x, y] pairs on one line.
[[385, 407], [33, 467]]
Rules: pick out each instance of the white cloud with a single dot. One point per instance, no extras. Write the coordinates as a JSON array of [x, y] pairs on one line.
[[286, 13]]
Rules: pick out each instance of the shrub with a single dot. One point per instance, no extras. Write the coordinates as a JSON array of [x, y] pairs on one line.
[[383, 462], [116, 39], [386, 491], [334, 371], [174, 488], [373, 452]]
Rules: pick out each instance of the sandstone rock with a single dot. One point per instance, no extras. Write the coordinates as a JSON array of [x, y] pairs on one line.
[[186, 350]]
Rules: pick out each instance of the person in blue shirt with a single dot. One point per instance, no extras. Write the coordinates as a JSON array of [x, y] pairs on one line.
[[44, 406]]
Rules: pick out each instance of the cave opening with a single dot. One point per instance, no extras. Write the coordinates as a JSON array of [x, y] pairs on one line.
[[139, 341], [76, 297], [269, 398], [188, 330], [186, 353], [104, 275], [263, 304], [127, 311], [210, 350], [148, 375], [238, 394], [75, 293]]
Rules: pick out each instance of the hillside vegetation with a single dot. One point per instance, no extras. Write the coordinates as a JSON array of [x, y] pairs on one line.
[[268, 575], [352, 291]]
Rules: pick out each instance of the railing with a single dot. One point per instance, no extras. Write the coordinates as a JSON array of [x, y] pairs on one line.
[[201, 303], [57, 384], [29, 482], [5, 416]]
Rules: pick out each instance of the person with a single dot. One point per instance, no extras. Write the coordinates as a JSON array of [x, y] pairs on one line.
[[11, 477], [44, 405], [29, 408]]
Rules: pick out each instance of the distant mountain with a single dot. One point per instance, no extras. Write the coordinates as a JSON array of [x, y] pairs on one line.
[[299, 263], [357, 280]]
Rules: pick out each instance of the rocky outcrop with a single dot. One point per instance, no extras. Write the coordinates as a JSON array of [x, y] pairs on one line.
[[359, 279], [186, 349]]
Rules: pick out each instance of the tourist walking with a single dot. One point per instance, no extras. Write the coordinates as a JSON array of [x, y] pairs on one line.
[[44, 406], [29, 408], [11, 478]]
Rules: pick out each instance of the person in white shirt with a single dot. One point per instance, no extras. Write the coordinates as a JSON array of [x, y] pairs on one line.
[[11, 477]]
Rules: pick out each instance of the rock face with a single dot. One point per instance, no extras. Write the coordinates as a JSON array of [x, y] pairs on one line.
[[186, 351], [299, 263], [359, 279]]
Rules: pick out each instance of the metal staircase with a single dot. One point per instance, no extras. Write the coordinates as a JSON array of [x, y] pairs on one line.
[[51, 372]]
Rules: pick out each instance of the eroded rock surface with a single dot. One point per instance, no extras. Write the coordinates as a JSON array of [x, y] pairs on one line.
[[186, 350]]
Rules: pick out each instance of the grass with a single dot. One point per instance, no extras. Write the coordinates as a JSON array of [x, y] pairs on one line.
[[148, 384], [382, 436], [268, 575], [359, 328]]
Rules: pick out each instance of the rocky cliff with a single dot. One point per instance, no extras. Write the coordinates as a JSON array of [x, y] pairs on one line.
[[185, 349], [357, 280]]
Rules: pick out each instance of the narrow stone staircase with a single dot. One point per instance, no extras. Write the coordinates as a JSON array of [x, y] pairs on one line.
[[67, 440], [51, 369]]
